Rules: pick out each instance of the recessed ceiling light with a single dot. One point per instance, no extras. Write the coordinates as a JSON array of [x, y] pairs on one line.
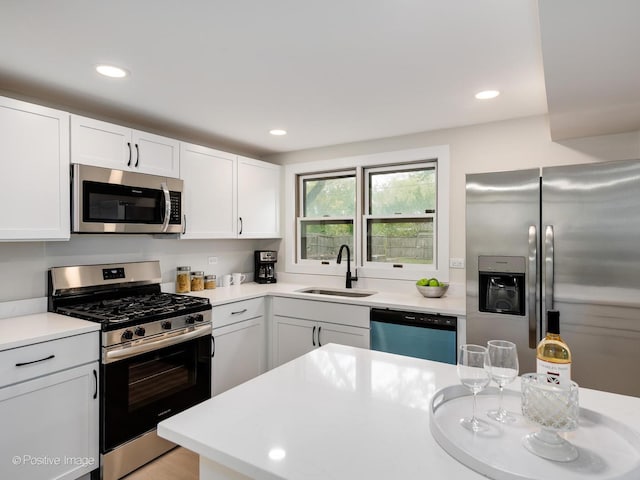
[[278, 132], [111, 71], [487, 94]]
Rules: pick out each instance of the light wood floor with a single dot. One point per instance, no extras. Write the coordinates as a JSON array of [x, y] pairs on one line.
[[177, 464]]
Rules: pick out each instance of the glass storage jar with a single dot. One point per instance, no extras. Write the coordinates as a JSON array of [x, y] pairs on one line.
[[183, 279], [210, 282], [197, 281]]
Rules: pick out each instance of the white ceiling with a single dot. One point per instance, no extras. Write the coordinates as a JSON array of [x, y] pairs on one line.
[[329, 72]]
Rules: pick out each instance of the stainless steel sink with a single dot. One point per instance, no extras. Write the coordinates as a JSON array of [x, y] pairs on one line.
[[337, 292]]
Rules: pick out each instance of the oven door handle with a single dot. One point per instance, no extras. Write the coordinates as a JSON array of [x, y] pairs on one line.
[[127, 352]]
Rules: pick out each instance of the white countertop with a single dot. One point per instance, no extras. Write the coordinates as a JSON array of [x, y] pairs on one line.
[[412, 300], [18, 331], [40, 327], [339, 413]]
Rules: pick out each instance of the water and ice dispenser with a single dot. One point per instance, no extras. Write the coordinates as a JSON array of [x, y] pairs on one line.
[[501, 284]]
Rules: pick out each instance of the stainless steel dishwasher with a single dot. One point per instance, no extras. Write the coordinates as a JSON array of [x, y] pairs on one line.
[[421, 335]]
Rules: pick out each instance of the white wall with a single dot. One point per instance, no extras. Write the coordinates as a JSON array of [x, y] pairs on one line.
[[23, 265], [508, 145]]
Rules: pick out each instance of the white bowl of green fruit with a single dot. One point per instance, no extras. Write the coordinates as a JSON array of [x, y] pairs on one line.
[[431, 287]]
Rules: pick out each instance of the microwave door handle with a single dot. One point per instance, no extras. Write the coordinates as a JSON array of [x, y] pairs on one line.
[[167, 206], [533, 280]]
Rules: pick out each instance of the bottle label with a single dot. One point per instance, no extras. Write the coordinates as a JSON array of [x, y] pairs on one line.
[[556, 372]]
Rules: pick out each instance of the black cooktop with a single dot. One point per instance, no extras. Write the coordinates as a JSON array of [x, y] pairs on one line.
[[135, 309]]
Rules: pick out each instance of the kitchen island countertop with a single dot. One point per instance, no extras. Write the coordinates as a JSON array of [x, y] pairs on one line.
[[337, 413]]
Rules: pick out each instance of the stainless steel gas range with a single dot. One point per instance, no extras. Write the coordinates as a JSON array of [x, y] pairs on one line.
[[155, 354]]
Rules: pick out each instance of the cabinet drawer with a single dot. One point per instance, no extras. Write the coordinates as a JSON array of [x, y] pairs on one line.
[[20, 364], [237, 311], [339, 313]]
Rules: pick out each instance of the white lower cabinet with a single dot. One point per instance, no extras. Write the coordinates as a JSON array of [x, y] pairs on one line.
[[239, 343], [299, 326], [49, 422]]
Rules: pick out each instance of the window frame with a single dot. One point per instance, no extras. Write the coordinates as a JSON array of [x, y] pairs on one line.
[[374, 270], [300, 218], [401, 167]]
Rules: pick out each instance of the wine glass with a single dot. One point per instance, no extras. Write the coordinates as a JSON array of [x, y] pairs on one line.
[[473, 371], [503, 360]]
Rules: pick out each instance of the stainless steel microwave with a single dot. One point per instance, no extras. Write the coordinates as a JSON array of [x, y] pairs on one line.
[[115, 201]]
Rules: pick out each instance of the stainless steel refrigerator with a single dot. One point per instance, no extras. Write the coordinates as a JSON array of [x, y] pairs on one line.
[[564, 238]]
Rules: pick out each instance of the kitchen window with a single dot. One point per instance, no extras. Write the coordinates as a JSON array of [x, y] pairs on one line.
[[400, 206], [391, 209], [328, 211]]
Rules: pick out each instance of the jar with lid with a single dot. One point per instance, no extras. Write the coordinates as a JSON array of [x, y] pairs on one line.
[[197, 281], [210, 282], [183, 284]]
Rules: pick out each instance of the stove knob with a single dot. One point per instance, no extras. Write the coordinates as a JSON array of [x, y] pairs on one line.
[[127, 335], [199, 317], [190, 320], [140, 331], [166, 325]]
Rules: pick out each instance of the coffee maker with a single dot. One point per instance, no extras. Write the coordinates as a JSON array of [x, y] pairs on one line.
[[265, 266]]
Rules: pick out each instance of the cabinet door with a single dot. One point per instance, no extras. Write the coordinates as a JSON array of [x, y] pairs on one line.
[[258, 199], [342, 334], [239, 354], [156, 155], [53, 422], [292, 337], [209, 192], [34, 149], [101, 144]]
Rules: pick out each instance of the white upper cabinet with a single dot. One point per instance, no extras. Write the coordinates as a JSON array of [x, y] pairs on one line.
[[107, 145], [226, 196], [209, 197], [258, 199], [34, 150]]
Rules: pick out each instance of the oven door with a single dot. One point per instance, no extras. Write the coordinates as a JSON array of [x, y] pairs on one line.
[[141, 390], [114, 201]]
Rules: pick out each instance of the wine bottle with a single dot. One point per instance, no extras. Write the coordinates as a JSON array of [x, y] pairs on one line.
[[553, 356]]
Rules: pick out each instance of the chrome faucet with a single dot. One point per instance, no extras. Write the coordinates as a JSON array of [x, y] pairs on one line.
[[339, 260]]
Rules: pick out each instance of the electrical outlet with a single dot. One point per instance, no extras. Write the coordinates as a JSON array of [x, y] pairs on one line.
[[456, 262], [212, 260]]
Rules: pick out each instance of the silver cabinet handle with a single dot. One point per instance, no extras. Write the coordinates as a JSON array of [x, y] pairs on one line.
[[548, 271], [239, 312], [241, 226], [167, 206], [319, 342], [313, 336], [533, 281], [129, 162]]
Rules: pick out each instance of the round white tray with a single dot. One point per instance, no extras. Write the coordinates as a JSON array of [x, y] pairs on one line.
[[608, 450]]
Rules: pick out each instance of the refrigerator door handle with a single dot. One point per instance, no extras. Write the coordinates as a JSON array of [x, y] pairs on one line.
[[533, 281], [548, 270]]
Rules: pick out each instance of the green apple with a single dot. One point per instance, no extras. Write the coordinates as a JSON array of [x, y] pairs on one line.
[[434, 282], [423, 282]]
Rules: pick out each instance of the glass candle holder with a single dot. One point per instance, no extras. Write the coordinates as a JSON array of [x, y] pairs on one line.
[[554, 407]]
